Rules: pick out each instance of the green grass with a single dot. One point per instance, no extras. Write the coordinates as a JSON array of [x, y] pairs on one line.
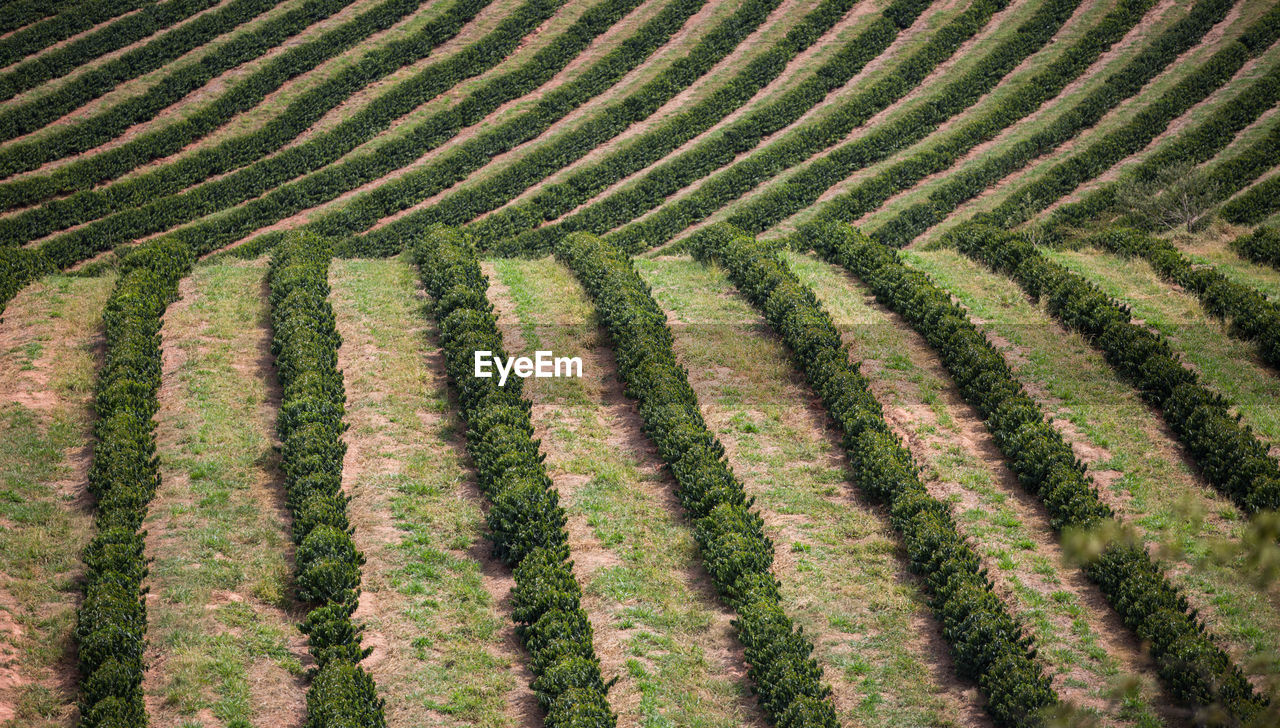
[[1140, 469], [659, 627], [843, 575], [51, 332], [222, 619], [445, 652]]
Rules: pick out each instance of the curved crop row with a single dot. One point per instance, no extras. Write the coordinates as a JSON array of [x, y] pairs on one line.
[[1252, 316], [759, 215], [985, 639], [125, 31], [526, 522], [552, 201], [1232, 458], [1189, 662], [1260, 246], [245, 94], [107, 124], [305, 343], [112, 620], [668, 178], [1194, 146], [464, 205], [74, 246], [804, 189], [75, 19], [1097, 157], [238, 151], [364, 210], [1101, 154], [736, 552]]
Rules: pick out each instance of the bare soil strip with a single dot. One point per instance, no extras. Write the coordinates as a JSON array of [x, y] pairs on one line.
[[223, 637], [435, 604], [50, 345], [659, 626]]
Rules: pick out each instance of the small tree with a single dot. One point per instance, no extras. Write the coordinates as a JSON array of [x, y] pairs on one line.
[[1180, 195]]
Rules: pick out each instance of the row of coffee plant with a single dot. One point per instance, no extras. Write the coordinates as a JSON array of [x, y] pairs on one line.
[[555, 200], [736, 552], [834, 126], [986, 641], [548, 157], [1189, 662], [333, 180], [103, 126], [1228, 452], [1194, 146], [298, 116], [305, 344], [407, 190], [1100, 155], [1261, 246], [111, 621], [526, 521], [69, 248], [805, 188], [1252, 317], [1177, 194], [128, 30], [76, 19], [243, 95], [1096, 157], [1019, 103]]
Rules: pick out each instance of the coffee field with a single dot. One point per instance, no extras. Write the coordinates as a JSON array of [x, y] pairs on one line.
[[663, 363]]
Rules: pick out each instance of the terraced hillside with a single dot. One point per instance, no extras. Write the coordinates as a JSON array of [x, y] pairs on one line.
[[596, 363]]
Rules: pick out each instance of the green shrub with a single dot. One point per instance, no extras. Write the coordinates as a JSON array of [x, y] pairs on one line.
[[1260, 246]]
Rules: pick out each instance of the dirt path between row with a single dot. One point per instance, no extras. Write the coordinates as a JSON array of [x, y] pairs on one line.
[[50, 350], [435, 603]]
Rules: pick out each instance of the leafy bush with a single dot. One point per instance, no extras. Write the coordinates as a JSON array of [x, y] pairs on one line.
[[463, 205], [526, 522], [1100, 155], [1191, 147], [1131, 137], [76, 19], [1254, 206], [986, 641], [1260, 246], [730, 535], [804, 189], [791, 150]]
